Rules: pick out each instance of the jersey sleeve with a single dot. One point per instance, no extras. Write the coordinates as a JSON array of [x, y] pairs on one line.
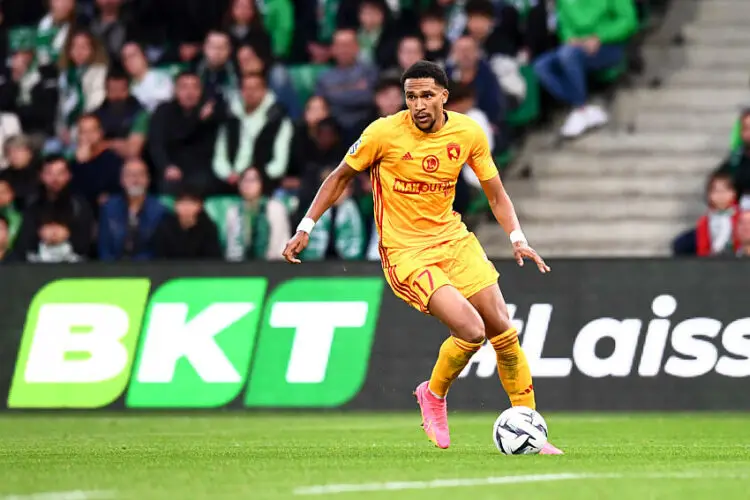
[[368, 148], [480, 158]]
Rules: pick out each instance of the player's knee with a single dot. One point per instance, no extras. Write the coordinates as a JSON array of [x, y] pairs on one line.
[[471, 330], [503, 321]]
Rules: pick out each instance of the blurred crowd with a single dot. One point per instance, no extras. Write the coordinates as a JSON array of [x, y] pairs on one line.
[[724, 230], [169, 129]]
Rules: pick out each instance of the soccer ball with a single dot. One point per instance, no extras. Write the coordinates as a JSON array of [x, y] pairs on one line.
[[520, 431]]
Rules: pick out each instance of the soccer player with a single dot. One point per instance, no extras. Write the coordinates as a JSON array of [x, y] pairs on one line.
[[429, 258]]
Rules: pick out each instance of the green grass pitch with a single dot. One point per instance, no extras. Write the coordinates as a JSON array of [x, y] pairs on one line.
[[262, 456]]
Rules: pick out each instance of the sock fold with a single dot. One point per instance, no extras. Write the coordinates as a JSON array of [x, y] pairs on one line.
[[454, 356]]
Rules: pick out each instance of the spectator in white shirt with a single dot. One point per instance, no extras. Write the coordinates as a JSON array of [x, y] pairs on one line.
[[151, 87]]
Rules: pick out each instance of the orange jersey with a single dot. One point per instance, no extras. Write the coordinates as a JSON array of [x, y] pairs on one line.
[[414, 177]]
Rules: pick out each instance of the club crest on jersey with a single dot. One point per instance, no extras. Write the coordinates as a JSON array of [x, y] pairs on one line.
[[355, 146], [430, 164], [454, 151]]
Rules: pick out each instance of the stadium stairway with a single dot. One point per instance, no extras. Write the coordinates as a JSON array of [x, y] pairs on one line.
[[617, 193]]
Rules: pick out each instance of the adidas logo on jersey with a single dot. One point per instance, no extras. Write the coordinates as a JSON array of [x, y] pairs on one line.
[[407, 156]]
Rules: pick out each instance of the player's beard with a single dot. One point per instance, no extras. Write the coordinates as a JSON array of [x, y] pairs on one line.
[[428, 128]]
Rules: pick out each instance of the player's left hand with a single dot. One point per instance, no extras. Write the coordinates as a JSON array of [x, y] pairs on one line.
[[522, 250], [295, 246]]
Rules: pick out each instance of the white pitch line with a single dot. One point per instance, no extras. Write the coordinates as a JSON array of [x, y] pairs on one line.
[[330, 489], [63, 495]]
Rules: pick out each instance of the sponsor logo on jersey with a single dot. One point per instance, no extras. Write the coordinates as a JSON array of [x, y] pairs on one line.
[[355, 147], [430, 164], [417, 187], [690, 348], [453, 150]]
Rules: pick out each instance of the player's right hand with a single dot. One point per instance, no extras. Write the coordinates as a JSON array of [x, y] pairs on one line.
[[295, 246]]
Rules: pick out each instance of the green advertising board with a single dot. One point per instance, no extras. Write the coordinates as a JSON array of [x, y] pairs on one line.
[[196, 343]]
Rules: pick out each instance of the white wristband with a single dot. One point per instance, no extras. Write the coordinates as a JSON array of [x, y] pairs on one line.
[[306, 225], [517, 236]]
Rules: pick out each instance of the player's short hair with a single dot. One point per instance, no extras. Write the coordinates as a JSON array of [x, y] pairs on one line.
[[482, 8], [426, 69]]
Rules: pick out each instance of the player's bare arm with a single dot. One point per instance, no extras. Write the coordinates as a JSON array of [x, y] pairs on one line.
[[330, 191], [505, 213]]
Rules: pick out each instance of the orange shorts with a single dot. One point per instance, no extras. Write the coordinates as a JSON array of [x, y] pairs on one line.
[[460, 263]]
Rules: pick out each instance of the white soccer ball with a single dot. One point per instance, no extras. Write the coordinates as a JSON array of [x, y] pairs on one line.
[[520, 431]]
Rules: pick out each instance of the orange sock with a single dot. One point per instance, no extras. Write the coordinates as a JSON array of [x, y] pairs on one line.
[[513, 369], [454, 356]]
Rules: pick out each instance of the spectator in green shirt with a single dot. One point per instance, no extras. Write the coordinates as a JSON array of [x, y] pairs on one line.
[[594, 34], [52, 31], [278, 18]]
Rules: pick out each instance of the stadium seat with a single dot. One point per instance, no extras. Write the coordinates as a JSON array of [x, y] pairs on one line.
[[304, 78]]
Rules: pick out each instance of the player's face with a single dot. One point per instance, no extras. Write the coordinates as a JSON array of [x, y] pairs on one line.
[[425, 100]]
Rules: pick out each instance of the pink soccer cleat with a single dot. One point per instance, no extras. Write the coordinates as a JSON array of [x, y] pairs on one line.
[[434, 416], [549, 449]]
